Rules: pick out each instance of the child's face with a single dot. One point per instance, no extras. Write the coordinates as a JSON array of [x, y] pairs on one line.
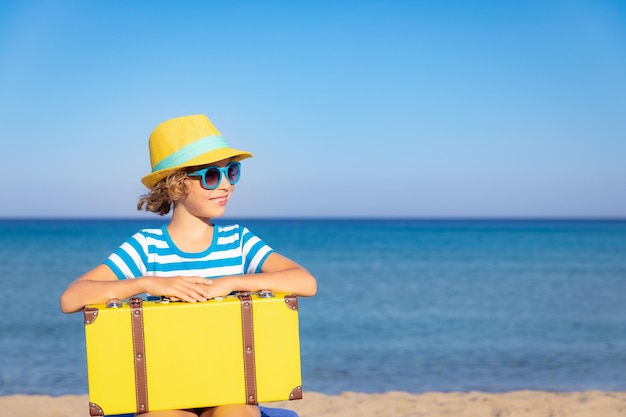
[[208, 203]]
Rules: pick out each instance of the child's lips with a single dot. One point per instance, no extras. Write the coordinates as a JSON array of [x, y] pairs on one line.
[[222, 200]]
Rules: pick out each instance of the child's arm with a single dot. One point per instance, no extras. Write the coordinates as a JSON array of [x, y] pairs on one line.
[[101, 285], [278, 273]]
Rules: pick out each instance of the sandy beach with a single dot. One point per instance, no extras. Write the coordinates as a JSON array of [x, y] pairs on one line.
[[392, 404]]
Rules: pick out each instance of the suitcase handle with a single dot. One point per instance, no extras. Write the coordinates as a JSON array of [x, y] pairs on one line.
[[260, 293], [117, 303]]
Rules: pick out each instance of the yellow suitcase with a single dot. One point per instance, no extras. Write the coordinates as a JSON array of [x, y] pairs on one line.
[[156, 355]]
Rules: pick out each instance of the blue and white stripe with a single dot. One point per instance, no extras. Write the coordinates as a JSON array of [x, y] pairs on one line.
[[150, 252]]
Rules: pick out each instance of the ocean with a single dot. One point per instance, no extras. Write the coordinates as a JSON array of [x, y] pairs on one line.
[[411, 305]]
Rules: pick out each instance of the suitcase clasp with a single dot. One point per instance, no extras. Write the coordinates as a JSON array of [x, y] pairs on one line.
[[265, 294], [114, 303]]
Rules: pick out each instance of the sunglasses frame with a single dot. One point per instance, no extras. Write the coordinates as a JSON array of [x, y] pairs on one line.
[[223, 173]]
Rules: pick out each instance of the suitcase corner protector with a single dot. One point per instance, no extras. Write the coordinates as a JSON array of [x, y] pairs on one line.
[[90, 314], [95, 410], [296, 393], [291, 301]]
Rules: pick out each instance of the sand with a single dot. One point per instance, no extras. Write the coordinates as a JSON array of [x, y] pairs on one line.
[[391, 404]]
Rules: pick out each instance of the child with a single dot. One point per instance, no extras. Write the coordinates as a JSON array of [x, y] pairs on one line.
[[194, 172]]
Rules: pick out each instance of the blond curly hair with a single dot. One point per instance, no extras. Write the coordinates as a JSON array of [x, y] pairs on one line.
[[165, 193]]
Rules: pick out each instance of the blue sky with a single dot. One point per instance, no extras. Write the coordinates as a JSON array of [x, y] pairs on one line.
[[352, 108]]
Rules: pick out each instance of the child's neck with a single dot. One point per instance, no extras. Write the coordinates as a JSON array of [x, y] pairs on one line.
[[190, 233]]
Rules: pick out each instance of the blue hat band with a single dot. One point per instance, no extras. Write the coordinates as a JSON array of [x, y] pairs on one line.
[[190, 151]]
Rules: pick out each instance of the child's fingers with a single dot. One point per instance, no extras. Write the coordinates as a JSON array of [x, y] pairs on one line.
[[198, 280], [196, 292], [190, 289]]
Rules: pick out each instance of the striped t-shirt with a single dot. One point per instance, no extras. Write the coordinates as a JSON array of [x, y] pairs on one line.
[[150, 252]]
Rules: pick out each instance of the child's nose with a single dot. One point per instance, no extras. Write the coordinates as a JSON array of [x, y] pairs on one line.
[[224, 183]]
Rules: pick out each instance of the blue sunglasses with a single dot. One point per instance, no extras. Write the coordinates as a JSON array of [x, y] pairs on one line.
[[212, 176]]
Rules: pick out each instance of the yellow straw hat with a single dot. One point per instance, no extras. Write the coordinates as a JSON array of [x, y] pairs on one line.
[[186, 142]]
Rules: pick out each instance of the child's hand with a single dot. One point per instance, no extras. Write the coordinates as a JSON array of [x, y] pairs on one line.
[[190, 289], [221, 287]]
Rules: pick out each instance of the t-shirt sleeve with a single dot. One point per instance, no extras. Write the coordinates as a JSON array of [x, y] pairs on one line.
[[130, 259], [254, 251]]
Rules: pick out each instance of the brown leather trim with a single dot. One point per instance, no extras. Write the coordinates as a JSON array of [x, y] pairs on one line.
[[95, 410], [296, 394], [139, 352], [291, 301], [90, 315], [247, 329]]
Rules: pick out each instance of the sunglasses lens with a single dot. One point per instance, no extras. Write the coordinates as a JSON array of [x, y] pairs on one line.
[[233, 173], [212, 177]]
